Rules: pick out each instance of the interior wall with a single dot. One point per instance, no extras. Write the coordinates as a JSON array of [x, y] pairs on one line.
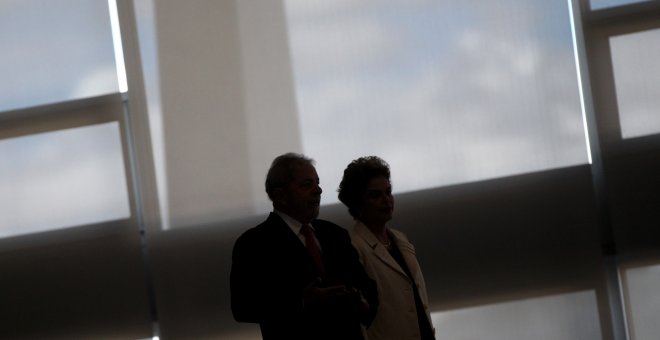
[[204, 125], [77, 283], [226, 87], [477, 243], [507, 238], [633, 196]]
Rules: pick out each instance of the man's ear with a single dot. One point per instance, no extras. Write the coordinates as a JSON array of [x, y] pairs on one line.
[[279, 195]]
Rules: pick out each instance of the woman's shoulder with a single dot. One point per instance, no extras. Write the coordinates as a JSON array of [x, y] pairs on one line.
[[360, 237], [398, 234]]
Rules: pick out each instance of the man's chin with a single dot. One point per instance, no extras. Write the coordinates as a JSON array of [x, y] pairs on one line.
[[315, 213]]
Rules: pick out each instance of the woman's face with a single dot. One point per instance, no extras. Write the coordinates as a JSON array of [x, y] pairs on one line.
[[378, 202]]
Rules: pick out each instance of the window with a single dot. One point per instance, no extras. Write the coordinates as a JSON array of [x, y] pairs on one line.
[[62, 150], [636, 76], [61, 51], [61, 179], [642, 298], [572, 316], [445, 91]]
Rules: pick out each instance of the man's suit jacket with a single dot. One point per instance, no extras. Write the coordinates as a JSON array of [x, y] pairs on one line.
[[270, 269], [396, 317]]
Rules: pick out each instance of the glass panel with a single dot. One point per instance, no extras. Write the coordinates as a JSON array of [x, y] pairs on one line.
[[571, 316], [61, 179], [445, 91], [642, 298], [636, 76], [601, 4], [54, 51]]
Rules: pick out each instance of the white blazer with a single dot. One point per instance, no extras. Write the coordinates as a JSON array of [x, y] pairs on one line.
[[396, 317]]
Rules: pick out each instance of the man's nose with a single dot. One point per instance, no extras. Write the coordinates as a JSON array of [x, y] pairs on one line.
[[318, 189]]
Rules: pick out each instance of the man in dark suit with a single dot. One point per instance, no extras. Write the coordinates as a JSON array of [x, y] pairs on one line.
[[295, 275]]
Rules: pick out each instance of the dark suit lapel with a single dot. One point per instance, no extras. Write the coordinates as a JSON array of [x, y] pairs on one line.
[[287, 241], [285, 236]]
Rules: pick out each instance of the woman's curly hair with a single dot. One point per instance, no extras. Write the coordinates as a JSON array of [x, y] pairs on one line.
[[357, 175]]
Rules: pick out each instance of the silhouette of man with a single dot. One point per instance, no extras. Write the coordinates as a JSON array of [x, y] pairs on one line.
[[299, 277]]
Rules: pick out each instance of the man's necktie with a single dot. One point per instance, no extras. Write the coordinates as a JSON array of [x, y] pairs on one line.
[[312, 247]]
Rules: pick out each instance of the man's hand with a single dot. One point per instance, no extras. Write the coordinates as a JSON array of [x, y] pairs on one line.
[[313, 294]]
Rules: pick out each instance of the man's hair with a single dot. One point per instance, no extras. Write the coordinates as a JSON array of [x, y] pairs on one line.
[[357, 175], [281, 170]]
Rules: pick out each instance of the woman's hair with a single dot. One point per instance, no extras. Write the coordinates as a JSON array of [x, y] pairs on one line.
[[357, 175]]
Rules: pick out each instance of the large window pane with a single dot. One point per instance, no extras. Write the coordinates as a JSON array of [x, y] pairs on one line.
[[642, 297], [61, 179], [636, 76], [54, 51], [571, 316], [446, 91]]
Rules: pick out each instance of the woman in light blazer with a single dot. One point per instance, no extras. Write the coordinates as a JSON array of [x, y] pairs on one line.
[[386, 254]]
